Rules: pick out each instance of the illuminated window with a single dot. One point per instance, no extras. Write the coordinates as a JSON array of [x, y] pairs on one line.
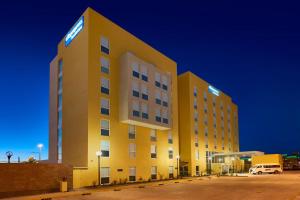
[[197, 155], [132, 174], [157, 79], [135, 109], [153, 151], [145, 111], [104, 173], [165, 99], [105, 127], [104, 106], [153, 135], [144, 73], [135, 89], [104, 65], [135, 70], [170, 152], [104, 45], [154, 172], [105, 148], [131, 132], [171, 172], [104, 86], [157, 115], [170, 137], [144, 92], [132, 150], [164, 82], [165, 117], [157, 97], [195, 91]]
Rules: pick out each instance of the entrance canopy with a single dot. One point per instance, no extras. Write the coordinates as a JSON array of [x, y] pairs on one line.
[[239, 154]]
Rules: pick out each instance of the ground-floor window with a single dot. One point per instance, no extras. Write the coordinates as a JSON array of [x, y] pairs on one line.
[[153, 172], [171, 172], [104, 175], [197, 171], [132, 174]]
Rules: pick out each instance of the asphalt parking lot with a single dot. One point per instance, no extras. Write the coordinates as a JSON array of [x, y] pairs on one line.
[[258, 187]]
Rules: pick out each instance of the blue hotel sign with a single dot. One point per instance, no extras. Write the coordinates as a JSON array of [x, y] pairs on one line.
[[213, 90], [74, 31]]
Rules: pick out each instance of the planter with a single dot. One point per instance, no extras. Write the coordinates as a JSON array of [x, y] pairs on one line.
[[64, 186]]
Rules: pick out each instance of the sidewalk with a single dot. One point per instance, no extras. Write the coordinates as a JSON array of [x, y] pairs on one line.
[[89, 191]]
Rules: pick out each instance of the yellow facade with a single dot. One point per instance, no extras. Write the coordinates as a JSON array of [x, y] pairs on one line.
[[208, 124], [81, 106]]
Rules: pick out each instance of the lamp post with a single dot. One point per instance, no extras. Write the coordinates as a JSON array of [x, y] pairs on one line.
[[177, 158], [40, 146], [98, 154]]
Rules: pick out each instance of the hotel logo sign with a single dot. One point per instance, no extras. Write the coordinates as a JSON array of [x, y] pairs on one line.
[[74, 31]]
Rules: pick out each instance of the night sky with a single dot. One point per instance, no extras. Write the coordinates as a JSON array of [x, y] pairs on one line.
[[248, 49]]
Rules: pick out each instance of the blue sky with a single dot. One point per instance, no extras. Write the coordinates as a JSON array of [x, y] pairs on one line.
[[250, 50]]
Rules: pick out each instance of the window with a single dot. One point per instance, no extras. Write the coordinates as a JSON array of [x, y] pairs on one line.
[[153, 172], [135, 70], [195, 92], [132, 150], [157, 79], [165, 117], [105, 148], [135, 89], [104, 85], [104, 171], [197, 171], [104, 106], [105, 127], [104, 65], [206, 142], [144, 73], [144, 92], [195, 103], [171, 172], [153, 135], [145, 111], [165, 99], [196, 128], [131, 132], [153, 151], [104, 45], [197, 154], [135, 109], [206, 131], [205, 120], [196, 141], [132, 174], [157, 115], [205, 96], [170, 137], [164, 82], [157, 97], [195, 116], [60, 83], [170, 153]]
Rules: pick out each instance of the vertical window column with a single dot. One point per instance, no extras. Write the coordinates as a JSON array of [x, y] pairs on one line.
[[59, 111]]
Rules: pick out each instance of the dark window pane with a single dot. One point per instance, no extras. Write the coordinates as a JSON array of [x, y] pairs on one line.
[[104, 70], [104, 50], [135, 74], [165, 104], [153, 155], [165, 87], [158, 101], [171, 176], [132, 178], [104, 180], [153, 176], [131, 136], [104, 132], [145, 115], [135, 93], [104, 111], [158, 119], [136, 113], [165, 121], [104, 90], [144, 78], [157, 84], [145, 97], [104, 153]]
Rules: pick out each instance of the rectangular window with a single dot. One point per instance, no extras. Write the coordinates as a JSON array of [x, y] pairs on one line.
[[104, 171], [104, 106], [196, 141], [104, 148], [135, 109], [195, 91], [197, 154], [104, 45], [132, 174], [165, 99], [105, 127], [164, 82], [170, 137], [196, 128], [145, 111], [171, 172], [195, 103], [104, 85], [154, 172], [170, 153], [157, 79], [132, 151], [153, 151], [135, 70], [144, 92], [205, 96], [157, 115], [165, 116], [153, 135], [195, 116], [131, 132], [144, 73], [135, 89], [104, 65], [157, 97]]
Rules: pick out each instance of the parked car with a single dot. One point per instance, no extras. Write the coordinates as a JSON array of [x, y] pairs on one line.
[[270, 168]]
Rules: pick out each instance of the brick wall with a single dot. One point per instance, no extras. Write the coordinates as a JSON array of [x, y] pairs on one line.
[[24, 179]]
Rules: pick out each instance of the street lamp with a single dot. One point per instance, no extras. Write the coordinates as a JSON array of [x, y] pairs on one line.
[[40, 146], [98, 154], [177, 158]]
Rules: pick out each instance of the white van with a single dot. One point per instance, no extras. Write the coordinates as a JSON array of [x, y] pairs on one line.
[[270, 168]]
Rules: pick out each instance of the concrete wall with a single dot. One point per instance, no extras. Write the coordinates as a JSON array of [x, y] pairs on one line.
[[24, 179]]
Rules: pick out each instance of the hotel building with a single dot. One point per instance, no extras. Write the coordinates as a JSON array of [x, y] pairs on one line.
[[117, 106], [208, 124], [112, 93]]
